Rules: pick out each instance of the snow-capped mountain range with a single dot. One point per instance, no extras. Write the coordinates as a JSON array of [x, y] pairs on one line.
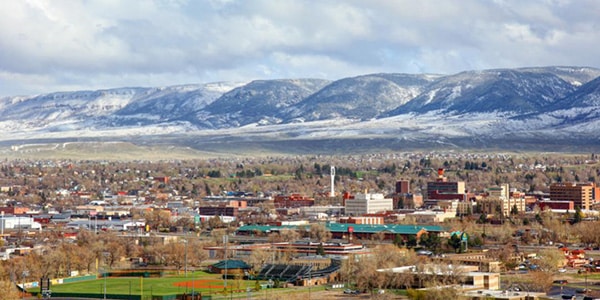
[[549, 108]]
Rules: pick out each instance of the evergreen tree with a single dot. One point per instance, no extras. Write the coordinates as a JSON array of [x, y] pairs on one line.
[[539, 219], [430, 241], [514, 210], [207, 189], [320, 250], [398, 241], [577, 216], [456, 243], [411, 241]]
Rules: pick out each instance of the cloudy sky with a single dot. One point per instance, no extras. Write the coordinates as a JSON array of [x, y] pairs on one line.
[[56, 45]]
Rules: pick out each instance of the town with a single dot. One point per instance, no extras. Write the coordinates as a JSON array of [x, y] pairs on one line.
[[416, 225]]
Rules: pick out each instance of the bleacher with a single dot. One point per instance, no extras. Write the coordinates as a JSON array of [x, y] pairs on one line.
[[295, 272], [291, 273], [335, 266], [264, 272], [287, 273], [276, 271]]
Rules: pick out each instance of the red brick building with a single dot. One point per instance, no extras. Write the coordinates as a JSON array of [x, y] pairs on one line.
[[582, 195], [293, 200], [14, 210], [566, 205]]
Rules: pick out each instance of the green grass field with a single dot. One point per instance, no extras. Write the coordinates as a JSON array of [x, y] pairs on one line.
[[202, 282]]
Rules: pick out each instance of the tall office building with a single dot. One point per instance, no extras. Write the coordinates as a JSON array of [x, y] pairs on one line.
[[582, 195], [402, 186], [367, 204], [443, 189]]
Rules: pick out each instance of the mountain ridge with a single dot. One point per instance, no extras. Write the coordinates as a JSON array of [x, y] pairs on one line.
[[472, 108]]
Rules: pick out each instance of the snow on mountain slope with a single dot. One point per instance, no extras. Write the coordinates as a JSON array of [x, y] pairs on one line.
[[106, 108], [363, 97], [260, 101], [474, 108], [504, 90]]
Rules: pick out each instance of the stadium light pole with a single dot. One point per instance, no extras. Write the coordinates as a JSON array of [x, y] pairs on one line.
[[24, 273], [186, 256], [105, 254], [225, 241]]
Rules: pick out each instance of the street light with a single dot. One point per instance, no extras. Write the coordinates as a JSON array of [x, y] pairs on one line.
[[225, 241], [104, 273], [104, 282], [25, 273], [3, 221], [185, 256]]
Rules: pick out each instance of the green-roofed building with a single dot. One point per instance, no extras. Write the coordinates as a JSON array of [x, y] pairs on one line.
[[354, 231], [232, 267]]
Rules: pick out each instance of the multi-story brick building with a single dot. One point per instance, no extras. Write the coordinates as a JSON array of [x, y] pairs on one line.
[[582, 195], [218, 211], [293, 200], [441, 186], [403, 198]]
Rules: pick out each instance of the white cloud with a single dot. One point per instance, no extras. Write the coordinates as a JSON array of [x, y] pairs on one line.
[[49, 45]]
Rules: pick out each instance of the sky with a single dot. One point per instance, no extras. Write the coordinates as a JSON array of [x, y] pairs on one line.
[[67, 45]]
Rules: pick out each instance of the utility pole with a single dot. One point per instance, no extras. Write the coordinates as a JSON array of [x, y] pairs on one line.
[[309, 281], [225, 241], [104, 284], [186, 257], [25, 272]]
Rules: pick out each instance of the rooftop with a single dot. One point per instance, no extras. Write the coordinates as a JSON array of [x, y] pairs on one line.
[[357, 228]]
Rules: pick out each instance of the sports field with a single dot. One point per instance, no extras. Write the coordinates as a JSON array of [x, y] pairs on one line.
[[202, 282]]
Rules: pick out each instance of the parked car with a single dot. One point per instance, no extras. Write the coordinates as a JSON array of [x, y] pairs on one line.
[[560, 281], [352, 292]]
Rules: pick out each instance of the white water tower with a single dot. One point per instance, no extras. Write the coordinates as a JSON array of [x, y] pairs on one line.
[[332, 174]]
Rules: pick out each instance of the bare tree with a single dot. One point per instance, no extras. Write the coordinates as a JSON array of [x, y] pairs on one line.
[[550, 260], [259, 258], [288, 235], [368, 272], [541, 280], [349, 269], [158, 219], [215, 222], [174, 255], [8, 288], [197, 254], [319, 232], [588, 233]]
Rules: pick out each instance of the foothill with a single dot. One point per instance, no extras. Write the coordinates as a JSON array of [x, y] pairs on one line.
[[410, 225]]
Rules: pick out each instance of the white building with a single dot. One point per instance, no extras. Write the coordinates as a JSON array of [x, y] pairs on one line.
[[368, 204], [429, 216], [95, 224], [18, 222], [501, 192], [500, 201]]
